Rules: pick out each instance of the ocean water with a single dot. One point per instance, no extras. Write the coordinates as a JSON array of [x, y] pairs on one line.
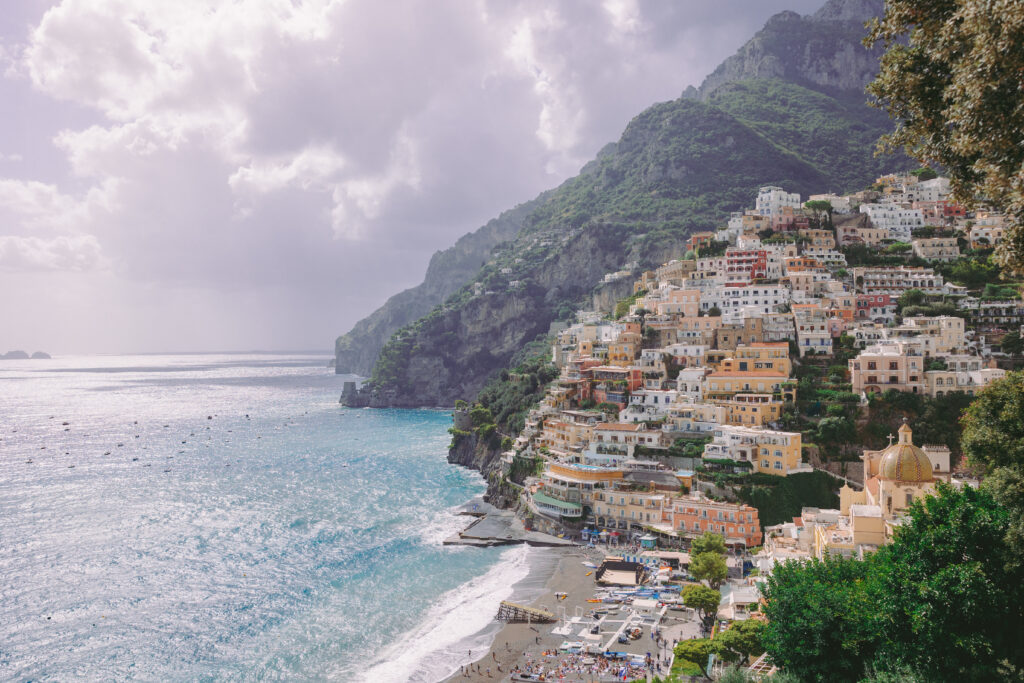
[[221, 517]]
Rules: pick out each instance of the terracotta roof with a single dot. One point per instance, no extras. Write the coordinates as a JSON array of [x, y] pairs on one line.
[[619, 427]]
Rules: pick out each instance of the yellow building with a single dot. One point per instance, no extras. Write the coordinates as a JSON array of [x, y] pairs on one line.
[[768, 451], [566, 434], [752, 410], [772, 356], [723, 384]]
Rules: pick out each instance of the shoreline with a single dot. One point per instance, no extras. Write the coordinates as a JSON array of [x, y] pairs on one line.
[[513, 643]]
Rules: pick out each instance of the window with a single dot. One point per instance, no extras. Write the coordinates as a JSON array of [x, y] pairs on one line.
[[778, 464], [871, 365]]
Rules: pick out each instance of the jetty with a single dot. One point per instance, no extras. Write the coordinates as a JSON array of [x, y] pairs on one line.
[[494, 527], [515, 613]]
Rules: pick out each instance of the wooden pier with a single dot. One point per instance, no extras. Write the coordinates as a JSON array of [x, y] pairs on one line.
[[513, 613]]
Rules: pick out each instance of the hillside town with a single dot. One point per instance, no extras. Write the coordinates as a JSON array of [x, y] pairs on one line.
[[665, 406]]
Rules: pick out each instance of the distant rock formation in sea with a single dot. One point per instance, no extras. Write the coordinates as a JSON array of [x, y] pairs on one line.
[[22, 355]]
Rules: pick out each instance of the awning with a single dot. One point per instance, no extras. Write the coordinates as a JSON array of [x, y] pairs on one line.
[[563, 508]]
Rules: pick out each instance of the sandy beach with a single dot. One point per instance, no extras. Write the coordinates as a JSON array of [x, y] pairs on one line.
[[524, 644]]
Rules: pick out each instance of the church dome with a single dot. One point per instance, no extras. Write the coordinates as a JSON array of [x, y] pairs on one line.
[[903, 461]]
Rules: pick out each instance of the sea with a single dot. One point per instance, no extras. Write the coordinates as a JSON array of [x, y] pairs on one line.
[[222, 517]]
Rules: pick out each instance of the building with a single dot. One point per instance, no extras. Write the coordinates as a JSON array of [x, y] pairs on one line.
[[569, 431], [941, 382], [567, 487], [752, 410], [895, 220], [936, 248], [647, 405], [623, 438], [894, 280], [994, 316], [876, 307], [749, 330], [894, 477], [736, 300], [692, 516], [771, 200], [766, 450], [722, 385], [887, 366], [813, 330]]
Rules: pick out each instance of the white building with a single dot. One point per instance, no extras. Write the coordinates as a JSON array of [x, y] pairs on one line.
[[771, 200], [933, 190], [894, 219], [753, 298], [690, 384], [648, 405], [839, 204]]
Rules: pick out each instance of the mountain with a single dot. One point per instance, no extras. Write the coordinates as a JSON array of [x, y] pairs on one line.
[[820, 51], [356, 351], [779, 112]]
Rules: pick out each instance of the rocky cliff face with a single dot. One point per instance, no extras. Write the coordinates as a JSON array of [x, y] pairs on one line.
[[356, 351], [821, 50]]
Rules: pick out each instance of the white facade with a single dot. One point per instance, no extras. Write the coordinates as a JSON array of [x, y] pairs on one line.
[[896, 220], [771, 200], [933, 190], [747, 298], [690, 384], [647, 405]]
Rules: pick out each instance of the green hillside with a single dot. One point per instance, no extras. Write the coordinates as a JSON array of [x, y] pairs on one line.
[[679, 167]]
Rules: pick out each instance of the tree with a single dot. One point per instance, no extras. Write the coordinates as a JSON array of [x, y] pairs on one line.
[[823, 624], [709, 567], [993, 439], [714, 311], [820, 208], [708, 543], [695, 651], [704, 601], [740, 641], [993, 424], [911, 297], [950, 77], [1011, 343], [951, 578]]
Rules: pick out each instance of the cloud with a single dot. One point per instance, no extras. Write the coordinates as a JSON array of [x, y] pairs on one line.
[[31, 206], [320, 148], [76, 253]]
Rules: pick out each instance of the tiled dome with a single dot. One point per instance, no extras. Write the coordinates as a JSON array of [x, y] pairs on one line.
[[903, 461]]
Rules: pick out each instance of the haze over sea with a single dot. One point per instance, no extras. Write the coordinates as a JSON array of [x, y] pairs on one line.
[[201, 517]]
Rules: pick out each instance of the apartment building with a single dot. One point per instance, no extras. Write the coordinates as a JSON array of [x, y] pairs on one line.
[[887, 366], [936, 248], [767, 450]]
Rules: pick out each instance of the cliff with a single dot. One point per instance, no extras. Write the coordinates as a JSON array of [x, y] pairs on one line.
[[820, 51], [356, 351]]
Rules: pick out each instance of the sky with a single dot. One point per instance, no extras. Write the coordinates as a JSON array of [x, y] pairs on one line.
[[261, 174]]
